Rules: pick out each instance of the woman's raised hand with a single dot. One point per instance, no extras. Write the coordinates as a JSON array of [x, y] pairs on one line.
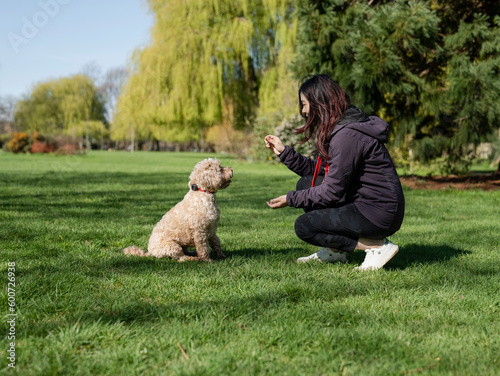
[[275, 144]]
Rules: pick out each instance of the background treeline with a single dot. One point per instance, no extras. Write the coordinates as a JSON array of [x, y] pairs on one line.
[[219, 74]]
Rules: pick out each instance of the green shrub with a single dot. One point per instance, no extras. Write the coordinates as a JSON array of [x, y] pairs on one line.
[[226, 139], [441, 155]]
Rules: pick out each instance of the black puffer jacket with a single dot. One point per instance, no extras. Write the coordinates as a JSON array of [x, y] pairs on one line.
[[360, 171]]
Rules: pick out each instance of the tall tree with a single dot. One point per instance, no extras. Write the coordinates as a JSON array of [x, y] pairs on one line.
[[428, 67], [204, 63], [473, 91], [93, 71], [384, 55], [65, 105], [7, 108], [111, 87]]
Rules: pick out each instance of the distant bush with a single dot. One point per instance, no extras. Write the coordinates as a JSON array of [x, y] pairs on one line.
[[20, 143], [36, 137], [224, 138], [4, 141], [67, 149], [439, 154], [42, 147]]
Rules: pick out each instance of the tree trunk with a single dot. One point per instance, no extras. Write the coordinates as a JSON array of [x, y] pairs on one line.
[[87, 141], [132, 141], [202, 140], [87, 136]]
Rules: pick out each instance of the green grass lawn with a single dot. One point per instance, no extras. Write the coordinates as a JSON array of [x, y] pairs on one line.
[[83, 308]]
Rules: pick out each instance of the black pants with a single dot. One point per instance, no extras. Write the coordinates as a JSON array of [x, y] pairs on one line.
[[339, 227]]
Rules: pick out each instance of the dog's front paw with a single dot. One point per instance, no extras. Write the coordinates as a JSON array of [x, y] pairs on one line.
[[220, 256]]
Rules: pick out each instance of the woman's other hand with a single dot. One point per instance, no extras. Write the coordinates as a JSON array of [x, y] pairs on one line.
[[276, 203], [275, 144]]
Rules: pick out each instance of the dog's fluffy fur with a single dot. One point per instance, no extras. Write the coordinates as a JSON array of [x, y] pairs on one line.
[[193, 221]]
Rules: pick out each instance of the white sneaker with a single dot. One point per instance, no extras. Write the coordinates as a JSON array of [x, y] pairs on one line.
[[376, 258], [325, 255]]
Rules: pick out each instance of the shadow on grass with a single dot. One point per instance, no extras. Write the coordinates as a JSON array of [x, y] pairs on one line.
[[132, 305], [252, 304], [138, 265], [410, 255], [414, 254], [407, 256], [114, 260], [251, 253]]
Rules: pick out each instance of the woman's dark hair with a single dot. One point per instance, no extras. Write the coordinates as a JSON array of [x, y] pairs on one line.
[[327, 104]]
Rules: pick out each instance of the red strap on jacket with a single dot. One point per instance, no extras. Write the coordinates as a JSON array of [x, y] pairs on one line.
[[317, 168]]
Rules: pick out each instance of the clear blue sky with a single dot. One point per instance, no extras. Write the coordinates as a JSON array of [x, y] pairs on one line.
[[46, 39]]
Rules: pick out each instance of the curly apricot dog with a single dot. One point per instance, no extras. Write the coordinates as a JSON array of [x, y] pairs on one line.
[[193, 221]]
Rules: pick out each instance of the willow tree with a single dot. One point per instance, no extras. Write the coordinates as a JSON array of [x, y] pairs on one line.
[[60, 106], [204, 64]]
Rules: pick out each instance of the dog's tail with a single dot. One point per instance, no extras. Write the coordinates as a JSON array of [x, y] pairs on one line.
[[135, 251]]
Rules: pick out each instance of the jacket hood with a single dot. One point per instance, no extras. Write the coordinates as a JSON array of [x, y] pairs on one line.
[[372, 126]]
